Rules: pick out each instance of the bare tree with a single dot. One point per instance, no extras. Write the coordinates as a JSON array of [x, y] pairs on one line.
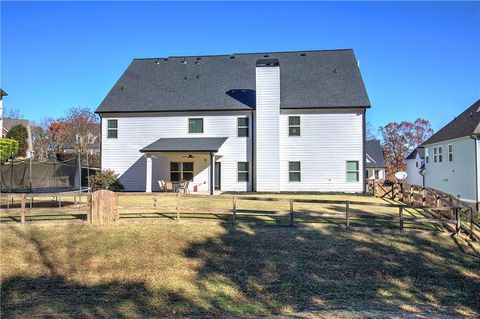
[[12, 113]]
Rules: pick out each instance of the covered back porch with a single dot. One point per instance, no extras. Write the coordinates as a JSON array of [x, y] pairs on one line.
[[192, 160]]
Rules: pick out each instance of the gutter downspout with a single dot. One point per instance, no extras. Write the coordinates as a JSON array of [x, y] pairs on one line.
[[475, 138], [364, 157]]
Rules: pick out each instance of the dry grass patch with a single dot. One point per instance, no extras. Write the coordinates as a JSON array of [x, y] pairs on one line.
[[190, 268]]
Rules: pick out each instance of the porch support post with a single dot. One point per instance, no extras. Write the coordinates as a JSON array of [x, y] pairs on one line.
[[212, 173], [148, 179]]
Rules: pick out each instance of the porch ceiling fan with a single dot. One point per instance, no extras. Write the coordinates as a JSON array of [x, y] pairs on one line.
[[189, 156]]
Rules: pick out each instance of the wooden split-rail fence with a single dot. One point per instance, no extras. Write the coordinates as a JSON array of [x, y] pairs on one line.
[[102, 207], [433, 200]]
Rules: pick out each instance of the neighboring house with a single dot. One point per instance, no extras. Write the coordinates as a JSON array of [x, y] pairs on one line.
[[8, 123], [375, 161], [266, 122], [93, 146], [452, 156], [415, 166]]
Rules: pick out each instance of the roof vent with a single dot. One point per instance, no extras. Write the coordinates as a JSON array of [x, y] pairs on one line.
[[302, 54], [266, 56], [232, 57], [198, 76], [185, 77], [165, 59], [335, 70], [184, 61], [157, 62]]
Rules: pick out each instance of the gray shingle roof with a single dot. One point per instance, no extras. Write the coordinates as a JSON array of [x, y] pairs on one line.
[[419, 150], [309, 79], [194, 144], [466, 124], [374, 151], [8, 123]]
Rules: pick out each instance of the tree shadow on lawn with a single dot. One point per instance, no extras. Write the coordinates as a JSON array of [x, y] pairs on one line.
[[250, 270]]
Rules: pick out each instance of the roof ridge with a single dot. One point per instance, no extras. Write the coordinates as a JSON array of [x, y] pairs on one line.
[[242, 53]]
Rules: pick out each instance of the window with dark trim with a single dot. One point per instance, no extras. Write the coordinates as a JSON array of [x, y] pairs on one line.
[[450, 152], [242, 124], [440, 154], [434, 154], [294, 126], [294, 172], [353, 171], [181, 171], [243, 171], [195, 125], [112, 129]]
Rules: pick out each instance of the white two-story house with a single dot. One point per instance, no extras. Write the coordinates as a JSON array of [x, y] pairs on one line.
[[265, 122], [452, 157]]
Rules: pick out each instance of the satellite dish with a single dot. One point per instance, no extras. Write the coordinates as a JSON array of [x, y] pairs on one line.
[[401, 175]]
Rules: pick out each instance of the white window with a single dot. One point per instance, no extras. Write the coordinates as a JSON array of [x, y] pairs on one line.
[[243, 171], [195, 125], [112, 129], [440, 154], [426, 155], [450, 152], [294, 172], [294, 126], [434, 154], [353, 171], [242, 123]]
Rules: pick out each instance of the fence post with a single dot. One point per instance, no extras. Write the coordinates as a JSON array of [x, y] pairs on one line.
[[400, 212], [347, 215], [178, 206], [457, 220], [59, 201], [374, 186], [291, 212], [393, 191], [411, 195], [234, 209], [89, 208], [424, 198], [22, 213], [438, 204]]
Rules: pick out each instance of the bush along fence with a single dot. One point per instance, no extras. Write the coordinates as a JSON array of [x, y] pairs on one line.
[[436, 202], [103, 207]]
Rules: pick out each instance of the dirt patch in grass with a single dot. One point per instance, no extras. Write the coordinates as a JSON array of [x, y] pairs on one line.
[[190, 268]]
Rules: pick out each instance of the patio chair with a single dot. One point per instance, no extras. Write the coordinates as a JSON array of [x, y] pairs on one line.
[[162, 185], [169, 186], [184, 187]]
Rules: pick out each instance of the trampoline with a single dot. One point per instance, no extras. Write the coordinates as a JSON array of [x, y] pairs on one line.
[[32, 176]]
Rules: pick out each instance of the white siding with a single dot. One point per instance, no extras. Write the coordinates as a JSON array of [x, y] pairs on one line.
[[267, 129], [136, 131], [456, 177], [328, 140], [413, 171]]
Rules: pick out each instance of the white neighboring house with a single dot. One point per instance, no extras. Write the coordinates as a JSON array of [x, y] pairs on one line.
[[415, 166], [452, 156], [375, 160], [266, 122]]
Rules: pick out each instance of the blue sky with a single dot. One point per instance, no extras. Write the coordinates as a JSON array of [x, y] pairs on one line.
[[417, 59]]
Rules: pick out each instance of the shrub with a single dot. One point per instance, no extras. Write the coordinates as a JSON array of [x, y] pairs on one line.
[[20, 134], [105, 179], [8, 149]]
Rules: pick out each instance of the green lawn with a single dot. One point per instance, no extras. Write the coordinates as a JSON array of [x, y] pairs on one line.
[[211, 268]]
